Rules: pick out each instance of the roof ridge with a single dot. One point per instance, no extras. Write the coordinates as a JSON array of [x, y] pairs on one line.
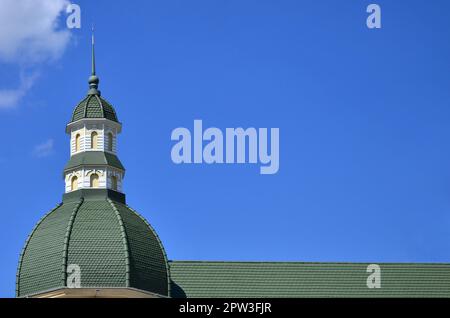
[[86, 105], [302, 262], [19, 267], [125, 242], [110, 105], [76, 107], [101, 105], [66, 241], [169, 292]]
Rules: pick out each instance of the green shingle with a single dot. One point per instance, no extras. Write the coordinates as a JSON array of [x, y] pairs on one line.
[[111, 243], [295, 279], [94, 106], [40, 267], [95, 244], [148, 263], [94, 158]]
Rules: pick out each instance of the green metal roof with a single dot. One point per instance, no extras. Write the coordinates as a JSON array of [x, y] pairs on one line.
[[295, 279], [112, 244], [94, 158], [94, 106]]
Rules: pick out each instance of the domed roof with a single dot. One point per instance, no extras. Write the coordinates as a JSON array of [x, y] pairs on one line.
[[94, 106], [112, 245]]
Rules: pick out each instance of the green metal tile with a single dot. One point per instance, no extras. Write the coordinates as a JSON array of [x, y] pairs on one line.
[[112, 245], [94, 106], [94, 158], [296, 279]]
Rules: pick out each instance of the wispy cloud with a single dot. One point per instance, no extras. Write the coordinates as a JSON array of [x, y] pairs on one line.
[[44, 149], [10, 97], [29, 38]]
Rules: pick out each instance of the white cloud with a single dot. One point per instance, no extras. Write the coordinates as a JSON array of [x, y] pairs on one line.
[[10, 97], [29, 37], [43, 150], [29, 33]]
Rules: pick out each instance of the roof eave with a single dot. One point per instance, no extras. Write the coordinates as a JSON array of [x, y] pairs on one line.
[[117, 125]]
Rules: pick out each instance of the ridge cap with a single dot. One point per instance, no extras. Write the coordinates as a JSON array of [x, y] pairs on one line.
[[66, 241], [169, 289], [124, 235], [19, 267]]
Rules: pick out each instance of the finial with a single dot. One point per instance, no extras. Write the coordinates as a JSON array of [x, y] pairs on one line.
[[93, 79]]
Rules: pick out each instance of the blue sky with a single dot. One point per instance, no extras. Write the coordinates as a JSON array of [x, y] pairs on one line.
[[363, 117]]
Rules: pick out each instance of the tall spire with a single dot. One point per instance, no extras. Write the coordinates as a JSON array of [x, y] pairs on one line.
[[93, 52], [93, 79]]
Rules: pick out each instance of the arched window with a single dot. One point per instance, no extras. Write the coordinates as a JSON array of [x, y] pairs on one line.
[[94, 140], [94, 180], [74, 183], [110, 141], [114, 183], [77, 143]]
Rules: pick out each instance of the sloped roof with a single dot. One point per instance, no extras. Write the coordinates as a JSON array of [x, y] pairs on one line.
[[297, 279], [112, 245], [94, 106], [94, 158]]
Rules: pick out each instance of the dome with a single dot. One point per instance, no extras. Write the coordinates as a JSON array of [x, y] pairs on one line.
[[113, 246], [94, 106]]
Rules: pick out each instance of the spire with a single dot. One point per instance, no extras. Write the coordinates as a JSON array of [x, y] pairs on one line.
[[93, 79], [93, 52]]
